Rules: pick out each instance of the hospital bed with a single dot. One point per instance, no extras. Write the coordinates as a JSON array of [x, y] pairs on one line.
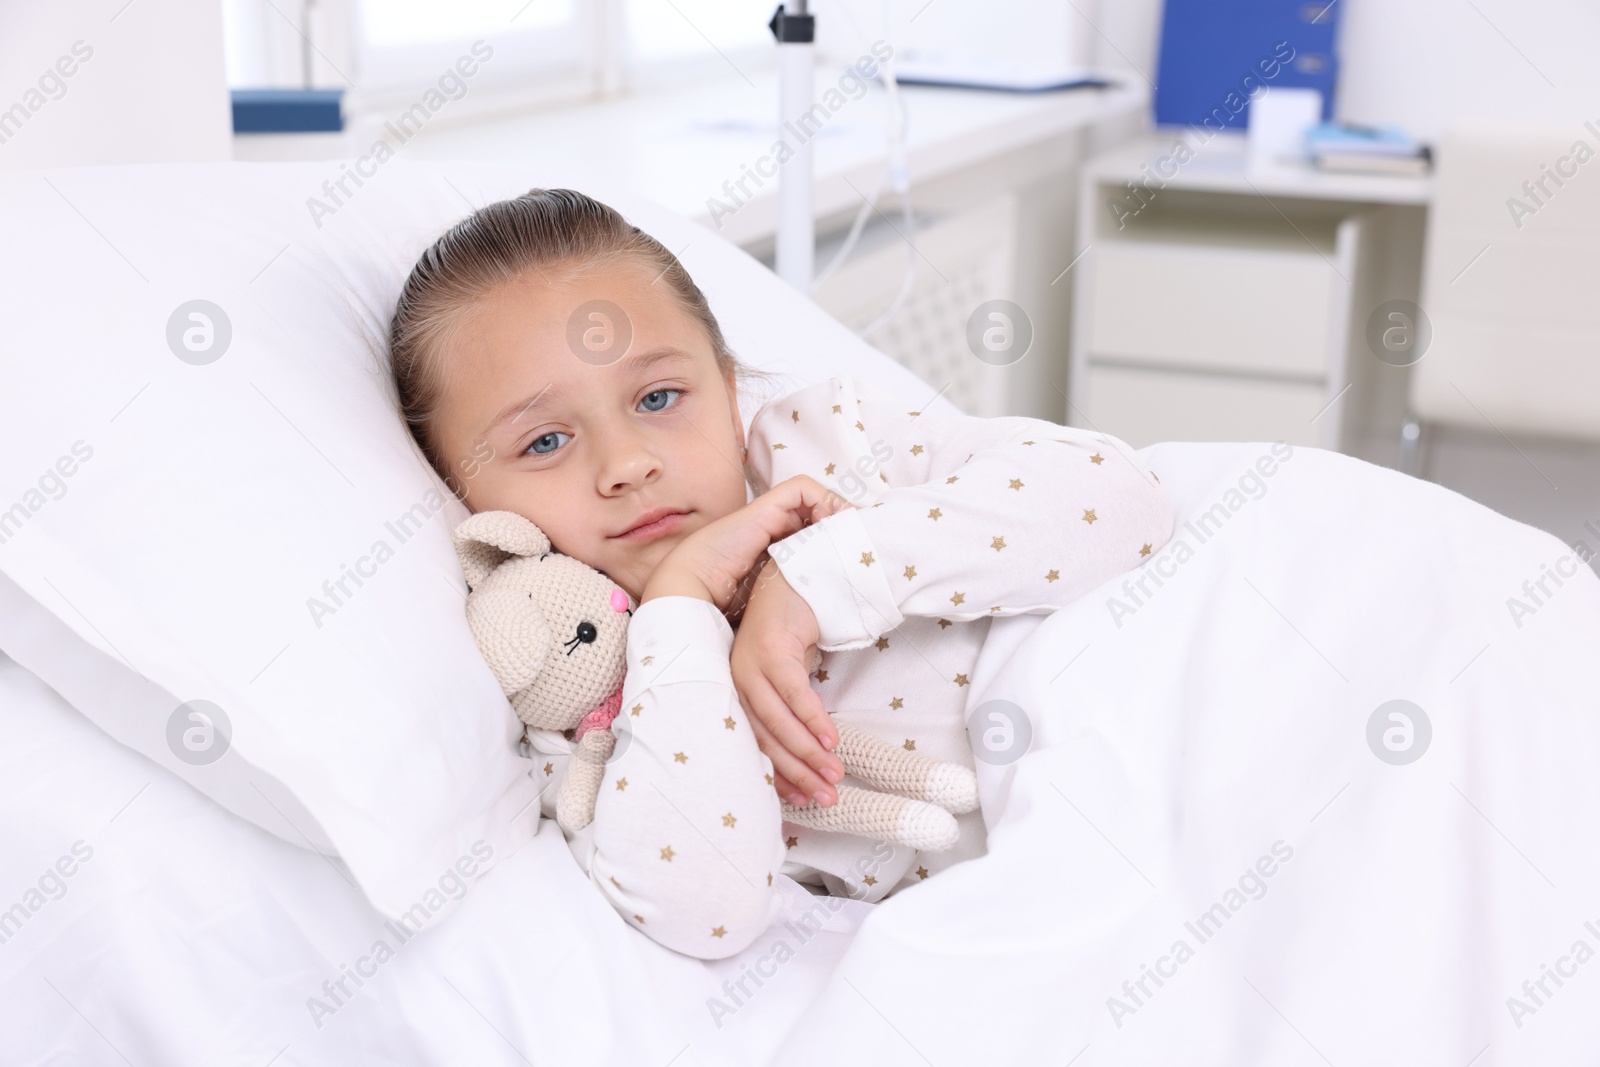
[[1302, 789]]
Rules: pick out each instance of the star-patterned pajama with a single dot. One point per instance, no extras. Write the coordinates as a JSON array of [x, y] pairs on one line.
[[956, 519]]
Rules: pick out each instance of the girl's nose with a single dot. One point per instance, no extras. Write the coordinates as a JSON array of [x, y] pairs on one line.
[[619, 601]]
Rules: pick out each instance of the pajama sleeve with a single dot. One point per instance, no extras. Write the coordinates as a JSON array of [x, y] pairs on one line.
[[686, 838], [955, 516]]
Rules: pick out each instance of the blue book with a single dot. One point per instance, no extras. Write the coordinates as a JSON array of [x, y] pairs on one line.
[[287, 110], [1345, 139], [1218, 54]]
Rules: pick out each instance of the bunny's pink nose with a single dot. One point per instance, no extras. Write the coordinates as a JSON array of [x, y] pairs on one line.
[[619, 601]]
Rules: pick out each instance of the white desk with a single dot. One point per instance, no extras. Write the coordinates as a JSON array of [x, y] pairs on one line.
[[680, 147], [1219, 302], [1220, 166]]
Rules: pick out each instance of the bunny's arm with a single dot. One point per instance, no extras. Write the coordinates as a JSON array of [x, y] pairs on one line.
[[687, 840], [955, 517]]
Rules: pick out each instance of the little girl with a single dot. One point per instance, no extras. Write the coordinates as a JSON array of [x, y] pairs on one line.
[[555, 361]]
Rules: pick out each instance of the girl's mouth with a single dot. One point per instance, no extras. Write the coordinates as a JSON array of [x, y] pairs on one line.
[[651, 530]]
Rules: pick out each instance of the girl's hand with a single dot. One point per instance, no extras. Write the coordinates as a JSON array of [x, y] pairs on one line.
[[773, 650], [713, 562]]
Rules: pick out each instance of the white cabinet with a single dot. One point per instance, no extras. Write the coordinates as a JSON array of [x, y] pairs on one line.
[[1218, 305], [1264, 311], [1144, 405]]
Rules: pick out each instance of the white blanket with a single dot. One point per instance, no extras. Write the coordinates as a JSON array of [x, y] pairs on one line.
[[1199, 804]]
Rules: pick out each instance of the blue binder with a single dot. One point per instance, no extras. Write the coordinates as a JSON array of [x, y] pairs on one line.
[[287, 110], [1217, 54]]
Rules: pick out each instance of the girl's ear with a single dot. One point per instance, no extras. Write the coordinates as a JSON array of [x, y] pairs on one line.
[[489, 538], [731, 382]]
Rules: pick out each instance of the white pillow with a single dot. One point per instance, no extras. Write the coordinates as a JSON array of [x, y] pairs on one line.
[[180, 527]]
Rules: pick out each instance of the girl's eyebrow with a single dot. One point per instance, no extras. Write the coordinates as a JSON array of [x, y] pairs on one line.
[[552, 392], [520, 408]]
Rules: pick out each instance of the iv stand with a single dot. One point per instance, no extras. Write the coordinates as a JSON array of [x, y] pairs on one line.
[[795, 33]]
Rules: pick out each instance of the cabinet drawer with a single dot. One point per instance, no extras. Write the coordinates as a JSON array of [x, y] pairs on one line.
[[1233, 308], [1146, 406]]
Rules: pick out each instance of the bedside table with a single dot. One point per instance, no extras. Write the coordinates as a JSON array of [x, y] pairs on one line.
[[1214, 301]]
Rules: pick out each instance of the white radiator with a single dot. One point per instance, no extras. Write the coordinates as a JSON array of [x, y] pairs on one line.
[[962, 260]]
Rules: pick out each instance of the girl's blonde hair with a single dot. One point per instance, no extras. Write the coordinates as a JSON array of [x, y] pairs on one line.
[[561, 229]]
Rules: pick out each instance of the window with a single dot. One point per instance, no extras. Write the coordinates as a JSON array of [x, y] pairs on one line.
[[386, 50], [395, 23], [662, 31], [402, 44]]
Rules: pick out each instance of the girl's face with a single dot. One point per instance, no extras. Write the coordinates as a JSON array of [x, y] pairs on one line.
[[548, 409]]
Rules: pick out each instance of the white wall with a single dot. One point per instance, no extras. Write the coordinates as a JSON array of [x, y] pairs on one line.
[[1033, 34], [1430, 63], [146, 86], [1424, 64]]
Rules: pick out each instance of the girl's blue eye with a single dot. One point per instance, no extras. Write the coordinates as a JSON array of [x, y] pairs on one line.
[[658, 392], [534, 448], [543, 446]]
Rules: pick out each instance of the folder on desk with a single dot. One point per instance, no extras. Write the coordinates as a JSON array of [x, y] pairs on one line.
[[1217, 54]]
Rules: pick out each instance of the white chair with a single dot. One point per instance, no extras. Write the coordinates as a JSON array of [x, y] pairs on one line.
[[1510, 277]]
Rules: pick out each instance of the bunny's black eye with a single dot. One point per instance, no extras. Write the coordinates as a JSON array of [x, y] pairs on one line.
[[586, 633]]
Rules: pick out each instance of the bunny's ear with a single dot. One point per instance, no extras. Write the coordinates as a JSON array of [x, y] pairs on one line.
[[487, 539], [513, 635]]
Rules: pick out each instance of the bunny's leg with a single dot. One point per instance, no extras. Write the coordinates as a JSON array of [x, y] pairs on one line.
[[575, 804], [882, 816], [894, 770]]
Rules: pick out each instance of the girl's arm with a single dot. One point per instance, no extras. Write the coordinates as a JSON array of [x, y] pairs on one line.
[[956, 517], [687, 839]]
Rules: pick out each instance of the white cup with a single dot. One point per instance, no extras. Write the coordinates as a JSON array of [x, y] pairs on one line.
[[1277, 125]]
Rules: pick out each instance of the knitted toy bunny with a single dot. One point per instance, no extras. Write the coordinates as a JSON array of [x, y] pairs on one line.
[[554, 632]]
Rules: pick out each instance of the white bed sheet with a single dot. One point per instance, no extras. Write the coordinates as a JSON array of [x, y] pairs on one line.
[[1227, 712]]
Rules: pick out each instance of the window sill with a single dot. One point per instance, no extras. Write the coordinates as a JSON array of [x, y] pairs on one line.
[[701, 148]]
